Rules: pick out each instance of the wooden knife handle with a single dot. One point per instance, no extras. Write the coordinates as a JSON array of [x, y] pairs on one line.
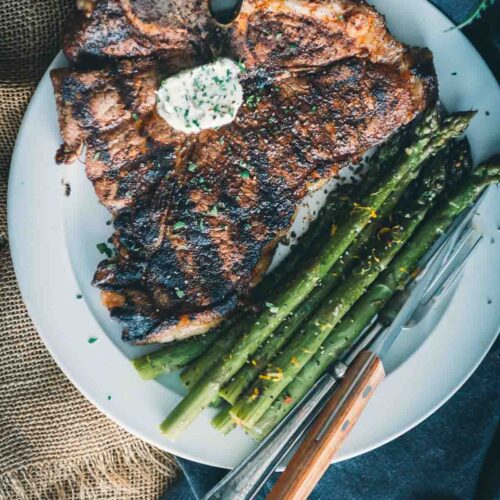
[[330, 429]]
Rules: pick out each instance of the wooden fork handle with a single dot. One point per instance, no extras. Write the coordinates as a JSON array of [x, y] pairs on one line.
[[330, 429]]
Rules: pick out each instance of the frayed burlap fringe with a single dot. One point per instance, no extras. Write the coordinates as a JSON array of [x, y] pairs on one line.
[[117, 473], [53, 443]]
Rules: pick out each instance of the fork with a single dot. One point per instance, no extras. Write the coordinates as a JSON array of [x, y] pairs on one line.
[[245, 481]]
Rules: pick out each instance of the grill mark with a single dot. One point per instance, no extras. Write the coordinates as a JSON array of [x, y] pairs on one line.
[[211, 260], [202, 250], [210, 264], [130, 88], [143, 176], [235, 214], [78, 95], [99, 37], [111, 275], [136, 324], [273, 205], [164, 271]]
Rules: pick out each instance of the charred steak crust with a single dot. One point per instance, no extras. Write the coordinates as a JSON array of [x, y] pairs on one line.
[[179, 31], [197, 216]]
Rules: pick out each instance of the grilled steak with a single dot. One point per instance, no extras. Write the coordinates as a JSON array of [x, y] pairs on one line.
[[197, 216], [179, 31]]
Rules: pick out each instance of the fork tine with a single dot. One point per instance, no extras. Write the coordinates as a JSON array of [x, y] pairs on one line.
[[456, 259], [451, 271], [464, 220], [448, 282], [460, 234]]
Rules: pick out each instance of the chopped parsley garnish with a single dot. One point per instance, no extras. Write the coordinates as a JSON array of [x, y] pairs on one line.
[[105, 250], [180, 293], [213, 211], [245, 174], [135, 117], [192, 167], [179, 225], [91, 340], [78, 296], [293, 46], [96, 156]]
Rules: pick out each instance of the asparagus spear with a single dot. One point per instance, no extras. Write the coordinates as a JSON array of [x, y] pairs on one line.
[[429, 142], [223, 421], [224, 343], [178, 354], [171, 358], [394, 278], [288, 364]]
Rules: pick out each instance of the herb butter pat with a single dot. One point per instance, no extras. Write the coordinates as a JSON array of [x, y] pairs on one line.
[[204, 97]]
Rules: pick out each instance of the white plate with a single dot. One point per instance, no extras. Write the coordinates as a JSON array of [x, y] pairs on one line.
[[53, 240]]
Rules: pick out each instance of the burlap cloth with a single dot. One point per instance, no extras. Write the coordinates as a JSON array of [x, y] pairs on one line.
[[53, 443]]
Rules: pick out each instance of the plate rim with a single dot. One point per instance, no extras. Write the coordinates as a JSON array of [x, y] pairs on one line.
[[168, 445]]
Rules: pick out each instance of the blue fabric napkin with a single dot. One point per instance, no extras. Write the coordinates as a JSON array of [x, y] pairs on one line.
[[444, 458], [441, 459]]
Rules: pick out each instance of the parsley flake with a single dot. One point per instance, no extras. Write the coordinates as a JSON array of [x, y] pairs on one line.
[[179, 225], [105, 250]]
